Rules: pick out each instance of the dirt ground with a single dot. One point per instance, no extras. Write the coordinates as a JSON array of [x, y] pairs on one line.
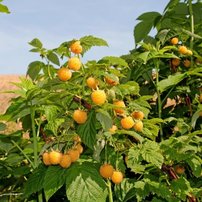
[[4, 86]]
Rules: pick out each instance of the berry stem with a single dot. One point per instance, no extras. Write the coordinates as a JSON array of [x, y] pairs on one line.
[[106, 159], [110, 190], [32, 111]]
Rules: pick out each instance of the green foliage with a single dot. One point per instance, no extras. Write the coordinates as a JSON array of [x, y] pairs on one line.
[[34, 68], [149, 152], [84, 184], [172, 80], [87, 131], [162, 162], [148, 21], [3, 8], [89, 41]]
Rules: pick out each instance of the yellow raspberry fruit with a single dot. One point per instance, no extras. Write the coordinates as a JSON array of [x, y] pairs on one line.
[[64, 74], [127, 122], [117, 177], [183, 50], [106, 170], [138, 115], [76, 47], [98, 97], [174, 41], [92, 82], [74, 63], [121, 104], [80, 116], [138, 126]]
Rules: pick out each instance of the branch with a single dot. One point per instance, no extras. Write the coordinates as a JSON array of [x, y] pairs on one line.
[[82, 102]]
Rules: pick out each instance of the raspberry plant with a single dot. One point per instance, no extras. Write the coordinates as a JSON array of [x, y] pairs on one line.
[[159, 95]]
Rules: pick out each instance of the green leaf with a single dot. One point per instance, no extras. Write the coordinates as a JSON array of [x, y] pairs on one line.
[[134, 160], [181, 9], [36, 43], [2, 126], [51, 112], [141, 30], [130, 194], [181, 187], [172, 4], [148, 152], [87, 131], [195, 117], [35, 181], [35, 50], [150, 128], [129, 88], [105, 119], [16, 110], [148, 16], [160, 188], [125, 186], [89, 41], [34, 68], [25, 84], [53, 58], [114, 61], [144, 56], [132, 134], [13, 159], [5, 144], [172, 80], [49, 70], [152, 154], [54, 179], [195, 163], [84, 183], [53, 125], [4, 9]]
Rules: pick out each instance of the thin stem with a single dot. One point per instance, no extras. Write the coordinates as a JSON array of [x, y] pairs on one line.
[[23, 153], [165, 98], [192, 28], [106, 159], [39, 126], [32, 111], [110, 190], [159, 97]]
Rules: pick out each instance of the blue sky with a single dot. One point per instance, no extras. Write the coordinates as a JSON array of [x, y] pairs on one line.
[[56, 21]]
